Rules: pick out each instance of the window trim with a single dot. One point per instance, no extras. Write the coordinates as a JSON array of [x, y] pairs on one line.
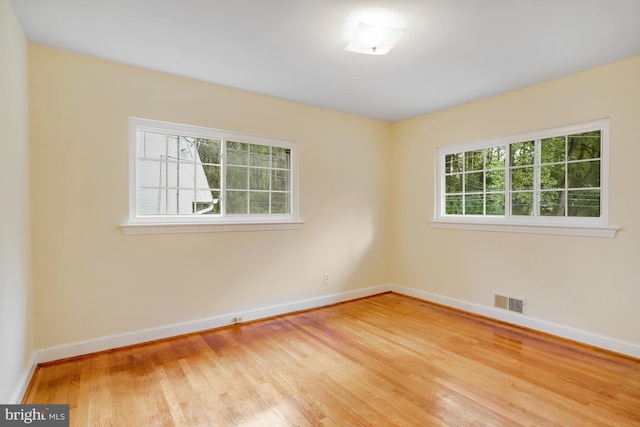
[[582, 226], [182, 228], [160, 224], [562, 230]]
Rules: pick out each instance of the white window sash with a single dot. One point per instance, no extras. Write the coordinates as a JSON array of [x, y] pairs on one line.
[[141, 224], [515, 223]]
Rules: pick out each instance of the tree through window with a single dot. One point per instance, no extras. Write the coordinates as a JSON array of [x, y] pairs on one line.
[[200, 174], [538, 177]]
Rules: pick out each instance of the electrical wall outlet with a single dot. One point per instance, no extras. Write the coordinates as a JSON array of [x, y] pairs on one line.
[[325, 278]]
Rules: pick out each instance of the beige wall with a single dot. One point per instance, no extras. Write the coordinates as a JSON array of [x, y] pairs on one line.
[[16, 333], [366, 197], [90, 280], [587, 283]]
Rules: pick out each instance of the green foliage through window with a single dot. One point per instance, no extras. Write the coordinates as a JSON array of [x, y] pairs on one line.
[[181, 174], [558, 176]]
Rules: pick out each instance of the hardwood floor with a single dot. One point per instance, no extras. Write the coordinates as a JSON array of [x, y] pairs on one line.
[[386, 360]]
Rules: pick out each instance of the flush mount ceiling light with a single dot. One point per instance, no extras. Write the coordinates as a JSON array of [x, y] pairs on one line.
[[373, 31], [374, 39]]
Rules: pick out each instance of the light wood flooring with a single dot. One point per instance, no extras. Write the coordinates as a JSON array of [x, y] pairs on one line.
[[386, 360]]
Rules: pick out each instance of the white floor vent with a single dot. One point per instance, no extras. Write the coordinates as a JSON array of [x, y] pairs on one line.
[[509, 303]]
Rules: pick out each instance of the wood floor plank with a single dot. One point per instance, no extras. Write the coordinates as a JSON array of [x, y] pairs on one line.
[[386, 360]]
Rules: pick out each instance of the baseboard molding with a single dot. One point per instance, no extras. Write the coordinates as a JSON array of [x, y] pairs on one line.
[[567, 332], [110, 342], [140, 336], [145, 335], [23, 381]]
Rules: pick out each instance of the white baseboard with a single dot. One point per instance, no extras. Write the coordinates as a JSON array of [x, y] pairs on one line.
[[23, 381], [137, 337], [140, 336], [573, 334]]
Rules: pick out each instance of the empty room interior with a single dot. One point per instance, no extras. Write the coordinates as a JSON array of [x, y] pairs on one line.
[[267, 213]]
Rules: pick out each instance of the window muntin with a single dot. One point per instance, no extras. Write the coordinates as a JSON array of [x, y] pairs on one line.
[[551, 177], [258, 179], [177, 174], [191, 174], [474, 182]]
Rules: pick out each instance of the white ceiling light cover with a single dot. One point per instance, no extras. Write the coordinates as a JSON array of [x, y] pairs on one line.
[[374, 39], [453, 52]]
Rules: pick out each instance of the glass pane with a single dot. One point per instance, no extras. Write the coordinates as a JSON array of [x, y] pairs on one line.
[[152, 145], [172, 147], [203, 195], [453, 205], [237, 153], [280, 180], [522, 203], [180, 201], [187, 148], [473, 182], [521, 153], [208, 176], [188, 199], [208, 151], [180, 175], [553, 149], [552, 176], [474, 204], [522, 179], [584, 145], [151, 174], [453, 163], [584, 203], [552, 203], [453, 183], [236, 202], [207, 202], [474, 160], [151, 201], [260, 155], [584, 174], [280, 203], [258, 202], [259, 179], [495, 157], [495, 204], [495, 180], [237, 178], [281, 157]]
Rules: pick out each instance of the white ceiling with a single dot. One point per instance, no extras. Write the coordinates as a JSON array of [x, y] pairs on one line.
[[455, 51]]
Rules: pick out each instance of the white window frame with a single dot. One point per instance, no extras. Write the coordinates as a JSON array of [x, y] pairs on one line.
[[162, 224], [577, 226]]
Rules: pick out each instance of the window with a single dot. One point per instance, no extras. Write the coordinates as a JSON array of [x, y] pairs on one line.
[[194, 175], [557, 177]]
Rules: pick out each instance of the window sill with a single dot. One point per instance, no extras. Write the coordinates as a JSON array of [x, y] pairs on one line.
[[180, 228], [562, 230]]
